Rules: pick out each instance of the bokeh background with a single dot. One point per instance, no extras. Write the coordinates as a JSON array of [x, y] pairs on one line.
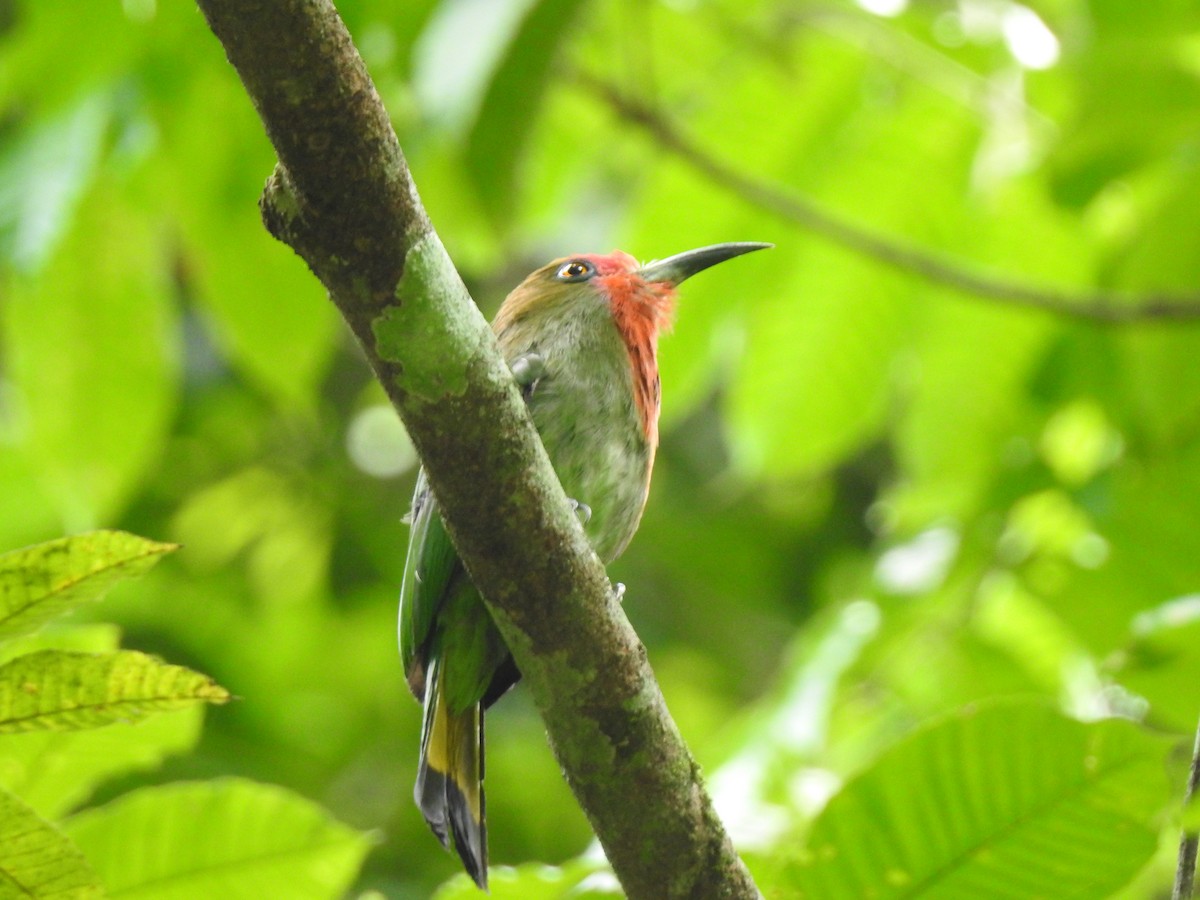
[[881, 496]]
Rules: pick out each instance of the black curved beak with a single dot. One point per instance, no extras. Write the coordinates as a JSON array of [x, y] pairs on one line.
[[682, 266]]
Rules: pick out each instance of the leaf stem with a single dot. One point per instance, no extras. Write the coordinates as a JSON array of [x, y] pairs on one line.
[[1185, 871]]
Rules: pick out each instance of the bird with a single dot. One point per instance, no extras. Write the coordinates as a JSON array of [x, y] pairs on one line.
[[580, 335]]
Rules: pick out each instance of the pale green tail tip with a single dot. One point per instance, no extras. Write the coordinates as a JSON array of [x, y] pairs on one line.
[[682, 266]]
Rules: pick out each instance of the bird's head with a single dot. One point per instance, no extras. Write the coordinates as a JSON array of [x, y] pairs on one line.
[[641, 298]]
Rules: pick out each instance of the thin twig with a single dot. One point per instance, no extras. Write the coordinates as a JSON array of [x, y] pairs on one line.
[[1112, 307], [1185, 872]]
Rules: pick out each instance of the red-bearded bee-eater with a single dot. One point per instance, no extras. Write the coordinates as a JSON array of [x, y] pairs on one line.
[[581, 336]]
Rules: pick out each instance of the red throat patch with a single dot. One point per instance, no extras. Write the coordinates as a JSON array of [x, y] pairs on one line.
[[641, 311]]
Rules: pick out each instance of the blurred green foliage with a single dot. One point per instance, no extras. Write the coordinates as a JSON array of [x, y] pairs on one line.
[[878, 501]]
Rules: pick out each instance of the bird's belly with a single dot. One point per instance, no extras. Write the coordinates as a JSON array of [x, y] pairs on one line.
[[595, 441]]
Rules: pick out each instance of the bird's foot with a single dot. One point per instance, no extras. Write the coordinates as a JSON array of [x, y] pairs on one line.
[[618, 591], [582, 511], [527, 369]]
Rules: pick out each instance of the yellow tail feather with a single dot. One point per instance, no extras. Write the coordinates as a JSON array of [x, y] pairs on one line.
[[449, 788]]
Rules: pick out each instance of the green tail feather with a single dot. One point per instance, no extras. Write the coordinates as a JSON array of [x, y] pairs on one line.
[[449, 788]]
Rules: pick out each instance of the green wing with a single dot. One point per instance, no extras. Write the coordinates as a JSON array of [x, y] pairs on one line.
[[431, 565], [442, 616]]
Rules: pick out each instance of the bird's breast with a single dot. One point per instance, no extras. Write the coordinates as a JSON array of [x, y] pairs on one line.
[[583, 406]]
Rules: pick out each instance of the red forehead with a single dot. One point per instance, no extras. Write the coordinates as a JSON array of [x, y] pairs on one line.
[[616, 263]]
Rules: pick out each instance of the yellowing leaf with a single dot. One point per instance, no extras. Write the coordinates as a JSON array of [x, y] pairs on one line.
[[46, 580], [37, 861], [61, 690]]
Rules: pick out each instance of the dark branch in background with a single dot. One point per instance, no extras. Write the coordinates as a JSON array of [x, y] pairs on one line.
[[343, 199], [1185, 871], [1100, 306]]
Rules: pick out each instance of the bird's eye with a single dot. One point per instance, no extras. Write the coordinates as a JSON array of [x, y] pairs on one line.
[[575, 270]]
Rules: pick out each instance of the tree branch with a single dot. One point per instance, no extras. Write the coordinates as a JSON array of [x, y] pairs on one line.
[[1101, 306], [342, 197]]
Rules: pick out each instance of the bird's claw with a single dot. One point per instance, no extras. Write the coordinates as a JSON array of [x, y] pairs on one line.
[[527, 369], [582, 511], [618, 592]]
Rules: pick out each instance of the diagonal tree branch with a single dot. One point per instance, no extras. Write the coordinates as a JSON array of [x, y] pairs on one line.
[[1110, 307], [342, 197]]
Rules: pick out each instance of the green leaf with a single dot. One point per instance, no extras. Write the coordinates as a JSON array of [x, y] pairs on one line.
[[951, 439], [51, 54], [1012, 801], [46, 580], [268, 312], [91, 350], [260, 513], [269, 315], [502, 129], [534, 882], [55, 771], [1161, 383], [43, 175], [1161, 664], [37, 861], [815, 382], [229, 838], [60, 690], [1145, 515], [1122, 86]]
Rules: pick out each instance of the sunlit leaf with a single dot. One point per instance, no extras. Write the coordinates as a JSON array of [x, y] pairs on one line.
[[1123, 84], [266, 309], [54, 771], [1144, 517], [266, 312], [457, 52], [1011, 801], [52, 54], [1161, 385], [577, 879], [92, 356], [37, 861], [43, 176], [497, 139], [229, 838], [62, 690], [815, 380], [47, 580], [1161, 661], [260, 511], [957, 428], [786, 731]]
